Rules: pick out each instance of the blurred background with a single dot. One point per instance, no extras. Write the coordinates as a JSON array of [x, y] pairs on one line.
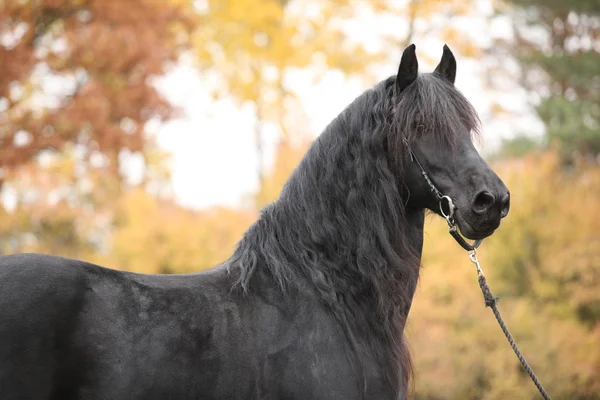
[[145, 135]]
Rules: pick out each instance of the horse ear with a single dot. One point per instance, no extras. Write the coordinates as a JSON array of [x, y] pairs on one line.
[[446, 69], [408, 69]]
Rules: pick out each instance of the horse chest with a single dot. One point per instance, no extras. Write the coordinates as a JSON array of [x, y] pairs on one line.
[[248, 355], [271, 355]]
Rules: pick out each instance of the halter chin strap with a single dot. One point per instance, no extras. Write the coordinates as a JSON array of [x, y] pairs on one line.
[[446, 204]]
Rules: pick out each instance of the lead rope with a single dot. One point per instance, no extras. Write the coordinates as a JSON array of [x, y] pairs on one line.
[[447, 210], [489, 298], [491, 301]]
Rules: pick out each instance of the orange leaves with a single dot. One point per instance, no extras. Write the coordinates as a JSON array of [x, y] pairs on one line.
[[105, 52], [109, 50]]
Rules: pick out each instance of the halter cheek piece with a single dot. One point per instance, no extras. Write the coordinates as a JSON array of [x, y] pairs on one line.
[[446, 204]]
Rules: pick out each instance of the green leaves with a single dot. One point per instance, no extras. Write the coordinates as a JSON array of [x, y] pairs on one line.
[[563, 69]]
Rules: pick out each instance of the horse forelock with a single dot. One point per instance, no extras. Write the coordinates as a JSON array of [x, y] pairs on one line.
[[432, 107]]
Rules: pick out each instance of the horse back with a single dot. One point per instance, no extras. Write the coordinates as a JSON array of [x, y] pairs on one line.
[[71, 329]]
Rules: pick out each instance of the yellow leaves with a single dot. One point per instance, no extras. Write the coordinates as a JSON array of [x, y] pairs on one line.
[[459, 41], [156, 236], [561, 214], [238, 35], [498, 110], [429, 8]]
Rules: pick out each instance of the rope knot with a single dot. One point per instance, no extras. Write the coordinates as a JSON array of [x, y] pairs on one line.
[[489, 298]]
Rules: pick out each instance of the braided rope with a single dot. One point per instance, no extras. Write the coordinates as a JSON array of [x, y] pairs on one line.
[[491, 301]]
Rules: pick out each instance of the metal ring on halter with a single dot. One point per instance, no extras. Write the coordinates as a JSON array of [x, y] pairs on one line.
[[449, 217]]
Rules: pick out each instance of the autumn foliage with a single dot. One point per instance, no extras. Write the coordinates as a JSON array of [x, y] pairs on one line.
[[77, 93], [89, 64]]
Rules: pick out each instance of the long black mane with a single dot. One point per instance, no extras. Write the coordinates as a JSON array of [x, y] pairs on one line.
[[340, 225]]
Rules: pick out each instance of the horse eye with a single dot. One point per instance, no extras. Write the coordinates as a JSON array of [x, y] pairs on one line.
[[420, 128]]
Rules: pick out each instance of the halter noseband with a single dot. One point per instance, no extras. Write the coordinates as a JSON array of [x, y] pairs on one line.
[[446, 204]]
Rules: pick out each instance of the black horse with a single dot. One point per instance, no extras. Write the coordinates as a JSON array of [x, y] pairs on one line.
[[313, 302]]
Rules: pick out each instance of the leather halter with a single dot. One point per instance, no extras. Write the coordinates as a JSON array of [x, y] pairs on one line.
[[446, 204]]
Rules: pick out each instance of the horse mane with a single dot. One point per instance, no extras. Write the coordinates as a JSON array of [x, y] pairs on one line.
[[340, 223]]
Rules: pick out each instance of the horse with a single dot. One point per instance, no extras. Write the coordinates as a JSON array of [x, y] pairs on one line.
[[313, 301]]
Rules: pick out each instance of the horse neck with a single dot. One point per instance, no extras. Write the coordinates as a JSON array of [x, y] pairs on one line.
[[357, 246], [341, 229], [340, 221], [345, 219]]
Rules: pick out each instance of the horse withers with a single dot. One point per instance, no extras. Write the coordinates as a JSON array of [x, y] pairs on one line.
[[313, 302]]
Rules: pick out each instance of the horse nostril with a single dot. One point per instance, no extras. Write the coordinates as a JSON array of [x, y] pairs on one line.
[[505, 204], [482, 202]]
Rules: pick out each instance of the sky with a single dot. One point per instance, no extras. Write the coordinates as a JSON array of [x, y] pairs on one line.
[[213, 160]]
